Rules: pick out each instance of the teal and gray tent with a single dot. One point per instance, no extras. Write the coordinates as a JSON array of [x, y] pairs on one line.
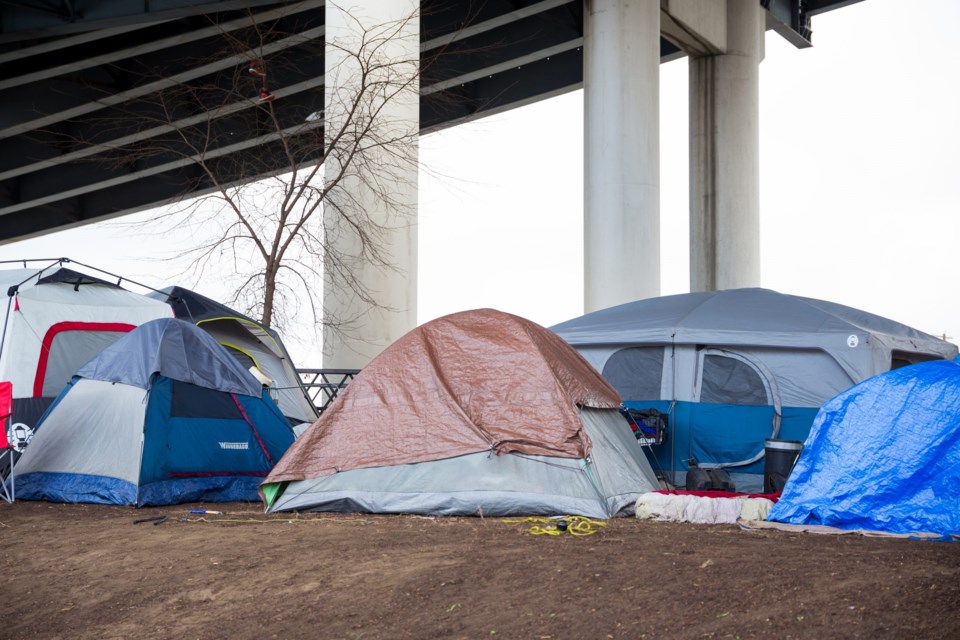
[[732, 368], [883, 456], [251, 343], [475, 413], [161, 416]]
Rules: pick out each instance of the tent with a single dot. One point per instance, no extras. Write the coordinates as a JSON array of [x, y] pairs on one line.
[[883, 456], [475, 413], [161, 416], [251, 343], [56, 319], [732, 368]]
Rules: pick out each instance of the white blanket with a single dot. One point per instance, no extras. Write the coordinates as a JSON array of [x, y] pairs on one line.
[[686, 508]]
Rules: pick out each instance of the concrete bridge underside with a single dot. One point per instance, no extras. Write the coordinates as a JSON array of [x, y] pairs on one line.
[[66, 67]]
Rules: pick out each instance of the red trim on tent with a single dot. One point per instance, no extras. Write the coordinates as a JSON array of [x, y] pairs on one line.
[[263, 447], [60, 327]]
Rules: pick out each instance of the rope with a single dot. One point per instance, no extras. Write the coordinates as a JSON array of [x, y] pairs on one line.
[[606, 503], [574, 525]]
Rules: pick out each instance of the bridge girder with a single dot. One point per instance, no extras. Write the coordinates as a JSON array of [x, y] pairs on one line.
[[73, 71]]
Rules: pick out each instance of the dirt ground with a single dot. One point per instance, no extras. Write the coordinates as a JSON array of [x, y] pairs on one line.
[[87, 571]]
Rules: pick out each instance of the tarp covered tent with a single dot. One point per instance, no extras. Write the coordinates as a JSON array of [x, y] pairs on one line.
[[251, 343], [475, 413], [883, 456], [732, 368], [161, 416], [54, 320]]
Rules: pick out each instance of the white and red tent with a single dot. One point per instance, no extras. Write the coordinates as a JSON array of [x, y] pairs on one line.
[[54, 320]]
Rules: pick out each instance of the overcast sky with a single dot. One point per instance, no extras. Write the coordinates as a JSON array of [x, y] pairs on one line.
[[859, 137]]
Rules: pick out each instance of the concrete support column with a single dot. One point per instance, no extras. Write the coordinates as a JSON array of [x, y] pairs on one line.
[[371, 128], [621, 87], [725, 156]]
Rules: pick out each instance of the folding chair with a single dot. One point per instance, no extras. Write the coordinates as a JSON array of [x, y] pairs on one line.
[[7, 488]]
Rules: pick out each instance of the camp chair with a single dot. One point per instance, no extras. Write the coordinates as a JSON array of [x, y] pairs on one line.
[[6, 447]]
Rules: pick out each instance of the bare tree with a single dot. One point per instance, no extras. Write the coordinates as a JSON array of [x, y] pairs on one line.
[[268, 210]]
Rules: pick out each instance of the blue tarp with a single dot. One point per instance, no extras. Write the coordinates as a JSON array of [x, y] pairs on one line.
[[883, 456]]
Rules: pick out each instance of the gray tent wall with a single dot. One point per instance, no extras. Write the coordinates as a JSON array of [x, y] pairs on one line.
[[606, 485], [715, 360], [111, 418]]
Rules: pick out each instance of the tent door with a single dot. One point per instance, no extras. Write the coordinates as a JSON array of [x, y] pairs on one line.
[[736, 407]]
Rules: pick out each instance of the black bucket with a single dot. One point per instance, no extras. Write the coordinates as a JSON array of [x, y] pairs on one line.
[[779, 456]]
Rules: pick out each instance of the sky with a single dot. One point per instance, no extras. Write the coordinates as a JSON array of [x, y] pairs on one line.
[[859, 195]]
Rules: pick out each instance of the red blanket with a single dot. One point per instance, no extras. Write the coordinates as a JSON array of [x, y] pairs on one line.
[[720, 494]]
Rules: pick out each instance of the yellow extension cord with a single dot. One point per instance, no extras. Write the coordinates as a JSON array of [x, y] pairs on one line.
[[576, 526]]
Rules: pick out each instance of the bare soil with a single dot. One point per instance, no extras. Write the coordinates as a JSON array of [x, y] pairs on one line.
[[87, 571]]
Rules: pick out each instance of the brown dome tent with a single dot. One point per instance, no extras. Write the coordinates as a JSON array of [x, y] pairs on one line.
[[479, 412]]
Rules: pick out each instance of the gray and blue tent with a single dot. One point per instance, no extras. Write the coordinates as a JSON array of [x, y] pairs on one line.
[[883, 456], [732, 368], [161, 416]]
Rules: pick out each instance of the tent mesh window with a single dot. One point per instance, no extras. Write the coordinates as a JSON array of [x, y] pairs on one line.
[[635, 372], [731, 381], [68, 351], [191, 401]]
